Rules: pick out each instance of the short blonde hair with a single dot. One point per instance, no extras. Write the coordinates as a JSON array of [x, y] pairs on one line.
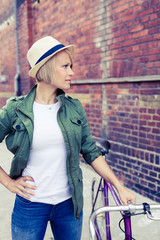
[[47, 72]]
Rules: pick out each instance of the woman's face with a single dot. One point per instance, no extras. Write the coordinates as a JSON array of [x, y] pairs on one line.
[[63, 71]]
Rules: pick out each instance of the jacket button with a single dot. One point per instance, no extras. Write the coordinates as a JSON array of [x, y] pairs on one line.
[[18, 127], [79, 121]]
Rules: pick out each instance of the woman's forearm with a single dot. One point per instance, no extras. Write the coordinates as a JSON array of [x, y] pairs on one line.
[[102, 168], [4, 178]]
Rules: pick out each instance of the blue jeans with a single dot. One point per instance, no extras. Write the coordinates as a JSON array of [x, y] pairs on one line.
[[29, 220]]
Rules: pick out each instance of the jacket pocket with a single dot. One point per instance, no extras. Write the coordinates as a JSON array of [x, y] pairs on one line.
[[16, 138], [18, 126], [76, 121]]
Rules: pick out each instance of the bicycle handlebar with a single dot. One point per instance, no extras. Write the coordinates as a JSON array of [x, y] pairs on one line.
[[131, 208]]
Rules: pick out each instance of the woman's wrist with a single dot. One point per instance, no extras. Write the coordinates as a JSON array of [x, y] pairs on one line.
[[5, 179], [119, 186], [7, 183]]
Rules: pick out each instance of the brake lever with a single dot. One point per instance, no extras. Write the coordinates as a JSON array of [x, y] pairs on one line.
[[147, 211], [150, 216]]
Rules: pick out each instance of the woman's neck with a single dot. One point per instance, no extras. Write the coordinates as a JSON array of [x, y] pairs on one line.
[[45, 93]]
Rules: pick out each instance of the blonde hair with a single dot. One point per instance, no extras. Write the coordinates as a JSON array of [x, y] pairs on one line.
[[47, 72]]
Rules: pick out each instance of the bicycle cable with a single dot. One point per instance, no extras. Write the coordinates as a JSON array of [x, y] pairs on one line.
[[146, 209], [127, 214], [123, 230]]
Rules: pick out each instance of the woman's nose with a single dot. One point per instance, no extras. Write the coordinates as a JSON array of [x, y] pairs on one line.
[[71, 72]]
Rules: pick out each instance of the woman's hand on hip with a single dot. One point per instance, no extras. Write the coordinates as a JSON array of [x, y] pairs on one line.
[[21, 186]]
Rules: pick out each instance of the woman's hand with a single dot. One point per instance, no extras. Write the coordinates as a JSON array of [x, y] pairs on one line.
[[21, 187], [102, 168], [126, 196]]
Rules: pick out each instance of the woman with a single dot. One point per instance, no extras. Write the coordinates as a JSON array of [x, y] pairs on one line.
[[46, 131]]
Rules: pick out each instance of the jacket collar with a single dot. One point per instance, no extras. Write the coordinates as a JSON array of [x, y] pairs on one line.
[[26, 105]]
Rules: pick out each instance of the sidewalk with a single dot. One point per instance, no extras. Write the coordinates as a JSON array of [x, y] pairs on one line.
[[143, 228]]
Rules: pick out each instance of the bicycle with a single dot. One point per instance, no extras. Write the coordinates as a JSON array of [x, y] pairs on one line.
[[99, 221]]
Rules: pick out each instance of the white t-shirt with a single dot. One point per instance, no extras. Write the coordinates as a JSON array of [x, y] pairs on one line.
[[47, 161]]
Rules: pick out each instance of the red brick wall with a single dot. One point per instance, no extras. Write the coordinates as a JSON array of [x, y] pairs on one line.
[[116, 47], [134, 127], [7, 50], [133, 36]]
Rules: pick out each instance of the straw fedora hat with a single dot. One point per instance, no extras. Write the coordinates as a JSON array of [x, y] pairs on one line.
[[42, 50]]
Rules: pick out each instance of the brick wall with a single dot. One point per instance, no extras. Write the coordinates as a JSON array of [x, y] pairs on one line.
[[133, 38], [7, 50], [117, 74], [134, 127]]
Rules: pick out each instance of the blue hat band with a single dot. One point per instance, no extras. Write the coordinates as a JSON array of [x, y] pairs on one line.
[[49, 52]]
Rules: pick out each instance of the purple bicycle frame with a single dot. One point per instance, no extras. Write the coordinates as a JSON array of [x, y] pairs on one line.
[[127, 220]]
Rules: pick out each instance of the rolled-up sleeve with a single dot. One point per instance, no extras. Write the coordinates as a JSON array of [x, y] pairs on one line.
[[89, 149], [4, 123]]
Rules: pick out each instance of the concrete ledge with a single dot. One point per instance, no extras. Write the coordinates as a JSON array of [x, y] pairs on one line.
[[6, 94], [117, 80]]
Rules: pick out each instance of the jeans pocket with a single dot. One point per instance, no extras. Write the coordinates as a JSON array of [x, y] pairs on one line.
[[23, 200]]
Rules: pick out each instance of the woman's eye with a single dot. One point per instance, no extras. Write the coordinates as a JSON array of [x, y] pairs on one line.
[[65, 66], [68, 65]]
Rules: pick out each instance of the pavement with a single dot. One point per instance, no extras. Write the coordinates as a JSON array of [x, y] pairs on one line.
[[142, 227]]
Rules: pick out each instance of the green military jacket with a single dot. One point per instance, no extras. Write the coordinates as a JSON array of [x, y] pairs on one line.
[[17, 125]]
